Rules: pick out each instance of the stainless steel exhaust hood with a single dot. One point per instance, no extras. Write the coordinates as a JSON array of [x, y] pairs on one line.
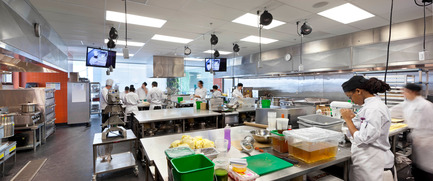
[[168, 67], [8, 63]]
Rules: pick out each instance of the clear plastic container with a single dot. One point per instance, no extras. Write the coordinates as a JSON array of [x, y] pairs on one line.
[[321, 121], [313, 144], [248, 175], [279, 143], [239, 167]]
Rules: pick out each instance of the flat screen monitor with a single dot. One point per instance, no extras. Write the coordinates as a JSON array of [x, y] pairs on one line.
[[97, 57], [217, 64]]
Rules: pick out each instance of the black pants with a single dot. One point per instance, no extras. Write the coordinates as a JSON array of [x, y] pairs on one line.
[[157, 107], [104, 118], [421, 175]]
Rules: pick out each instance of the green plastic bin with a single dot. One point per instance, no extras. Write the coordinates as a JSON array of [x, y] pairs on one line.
[[191, 168], [198, 104], [266, 103], [179, 99]]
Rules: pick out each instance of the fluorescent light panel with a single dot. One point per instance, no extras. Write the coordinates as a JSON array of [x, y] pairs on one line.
[[346, 13], [171, 39], [121, 54], [130, 43], [252, 20], [221, 52], [134, 19], [255, 39], [194, 59]]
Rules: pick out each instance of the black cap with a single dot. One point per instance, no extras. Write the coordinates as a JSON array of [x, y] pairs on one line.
[[413, 87], [353, 83]]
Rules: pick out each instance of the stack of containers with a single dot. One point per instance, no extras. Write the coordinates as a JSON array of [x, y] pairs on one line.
[[321, 121], [272, 121]]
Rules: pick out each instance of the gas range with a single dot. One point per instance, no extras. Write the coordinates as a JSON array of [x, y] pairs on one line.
[[27, 119]]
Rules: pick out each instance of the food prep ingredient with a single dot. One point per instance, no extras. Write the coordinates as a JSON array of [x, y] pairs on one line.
[[311, 152], [194, 143], [221, 174]]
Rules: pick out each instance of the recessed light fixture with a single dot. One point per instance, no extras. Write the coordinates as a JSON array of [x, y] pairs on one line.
[[221, 52], [130, 43], [121, 54], [194, 59], [134, 19], [251, 20], [171, 39], [256, 39], [346, 13]]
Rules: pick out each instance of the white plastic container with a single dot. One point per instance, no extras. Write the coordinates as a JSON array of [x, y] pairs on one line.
[[248, 175], [272, 121], [282, 123]]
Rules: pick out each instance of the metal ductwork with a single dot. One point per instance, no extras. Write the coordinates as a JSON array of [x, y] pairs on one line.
[[168, 67]]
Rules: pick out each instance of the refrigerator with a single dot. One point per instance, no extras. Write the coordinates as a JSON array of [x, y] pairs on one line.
[[78, 103]]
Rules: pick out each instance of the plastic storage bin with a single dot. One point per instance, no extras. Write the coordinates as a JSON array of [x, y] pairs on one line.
[[315, 120], [279, 143], [210, 153], [194, 167], [266, 103], [313, 144], [177, 153]]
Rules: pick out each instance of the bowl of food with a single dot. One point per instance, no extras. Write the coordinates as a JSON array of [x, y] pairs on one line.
[[261, 135]]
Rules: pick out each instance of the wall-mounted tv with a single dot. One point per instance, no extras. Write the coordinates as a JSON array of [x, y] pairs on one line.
[[217, 64], [97, 57]]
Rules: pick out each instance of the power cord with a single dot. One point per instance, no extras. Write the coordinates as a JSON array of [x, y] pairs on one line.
[[424, 4], [389, 43]]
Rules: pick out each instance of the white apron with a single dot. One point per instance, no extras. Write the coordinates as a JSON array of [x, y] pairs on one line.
[[130, 108], [422, 151], [367, 164]]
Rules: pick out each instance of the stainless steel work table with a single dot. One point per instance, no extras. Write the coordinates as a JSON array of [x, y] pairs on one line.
[[154, 154], [394, 137]]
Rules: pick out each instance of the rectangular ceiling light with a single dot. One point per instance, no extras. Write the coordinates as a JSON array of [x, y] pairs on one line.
[[256, 39], [193, 59], [134, 19], [171, 39], [121, 54], [130, 43], [346, 13], [252, 20], [221, 52]]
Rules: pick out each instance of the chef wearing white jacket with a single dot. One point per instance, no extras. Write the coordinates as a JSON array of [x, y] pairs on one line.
[[418, 114], [131, 101], [103, 99], [372, 158], [216, 93], [123, 94], [155, 97], [142, 91], [200, 92], [237, 93]]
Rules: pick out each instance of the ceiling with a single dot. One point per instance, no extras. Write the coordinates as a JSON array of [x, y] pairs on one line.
[[82, 23]]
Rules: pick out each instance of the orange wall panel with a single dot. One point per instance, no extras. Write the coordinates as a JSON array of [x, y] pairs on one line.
[[61, 96]]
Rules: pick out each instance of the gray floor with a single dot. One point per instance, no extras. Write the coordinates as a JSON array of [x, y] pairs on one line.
[[69, 153]]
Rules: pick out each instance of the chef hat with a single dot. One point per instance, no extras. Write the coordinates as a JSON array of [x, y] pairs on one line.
[[109, 82], [413, 87], [353, 83]]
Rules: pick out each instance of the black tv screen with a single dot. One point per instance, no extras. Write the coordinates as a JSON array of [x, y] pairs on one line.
[[217, 64], [97, 57]]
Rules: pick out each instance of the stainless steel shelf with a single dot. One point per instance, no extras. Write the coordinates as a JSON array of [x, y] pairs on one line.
[[119, 161]]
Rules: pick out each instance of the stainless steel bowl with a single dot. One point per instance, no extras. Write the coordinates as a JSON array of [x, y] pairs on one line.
[[261, 135]]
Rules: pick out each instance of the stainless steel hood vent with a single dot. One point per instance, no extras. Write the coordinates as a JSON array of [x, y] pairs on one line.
[[8, 63], [168, 67]]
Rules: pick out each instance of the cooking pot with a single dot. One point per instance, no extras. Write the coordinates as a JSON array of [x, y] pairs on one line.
[[7, 121], [28, 107]]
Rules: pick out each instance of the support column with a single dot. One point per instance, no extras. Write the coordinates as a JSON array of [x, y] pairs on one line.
[[16, 79]]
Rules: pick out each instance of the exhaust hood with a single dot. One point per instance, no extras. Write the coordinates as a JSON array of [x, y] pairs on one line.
[[168, 67], [9, 63]]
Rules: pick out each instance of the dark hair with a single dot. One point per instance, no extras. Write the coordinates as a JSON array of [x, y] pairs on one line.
[[144, 83], [131, 86], [201, 82], [126, 88], [215, 87], [413, 87], [240, 85], [155, 84], [132, 89], [372, 85]]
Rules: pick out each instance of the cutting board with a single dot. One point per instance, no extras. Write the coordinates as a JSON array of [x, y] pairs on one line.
[[266, 163]]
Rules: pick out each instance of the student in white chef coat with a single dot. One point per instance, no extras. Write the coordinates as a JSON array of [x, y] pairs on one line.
[[372, 158], [418, 114], [216, 93], [142, 91], [237, 93], [131, 101], [155, 97], [103, 99], [123, 94], [200, 92]]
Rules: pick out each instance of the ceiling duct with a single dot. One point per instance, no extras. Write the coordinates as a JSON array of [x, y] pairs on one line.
[[168, 67]]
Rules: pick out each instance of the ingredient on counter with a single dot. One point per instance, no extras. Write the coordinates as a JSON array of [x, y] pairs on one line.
[[261, 150], [397, 126], [221, 174], [239, 165], [396, 120], [221, 166], [194, 143], [248, 175], [227, 136], [279, 143]]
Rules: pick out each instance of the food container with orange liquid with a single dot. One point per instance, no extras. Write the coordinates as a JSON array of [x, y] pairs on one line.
[[313, 144], [279, 143]]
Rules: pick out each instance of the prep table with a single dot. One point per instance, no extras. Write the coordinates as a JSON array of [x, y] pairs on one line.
[[154, 154]]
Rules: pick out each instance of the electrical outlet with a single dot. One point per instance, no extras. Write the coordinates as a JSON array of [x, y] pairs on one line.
[[421, 56]]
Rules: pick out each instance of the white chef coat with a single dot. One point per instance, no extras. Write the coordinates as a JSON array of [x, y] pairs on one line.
[[201, 92], [154, 97], [370, 149], [141, 93], [237, 94], [131, 102], [216, 94], [122, 96], [418, 114], [103, 98]]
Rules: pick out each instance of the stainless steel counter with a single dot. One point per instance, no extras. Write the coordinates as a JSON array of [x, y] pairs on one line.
[[171, 114], [154, 148]]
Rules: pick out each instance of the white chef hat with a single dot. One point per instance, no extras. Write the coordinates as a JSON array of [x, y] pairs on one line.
[[109, 82]]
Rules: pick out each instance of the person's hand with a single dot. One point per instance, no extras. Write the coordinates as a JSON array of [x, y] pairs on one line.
[[347, 114]]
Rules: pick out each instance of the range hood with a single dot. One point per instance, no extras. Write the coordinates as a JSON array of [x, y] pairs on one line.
[[12, 62], [168, 67]]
